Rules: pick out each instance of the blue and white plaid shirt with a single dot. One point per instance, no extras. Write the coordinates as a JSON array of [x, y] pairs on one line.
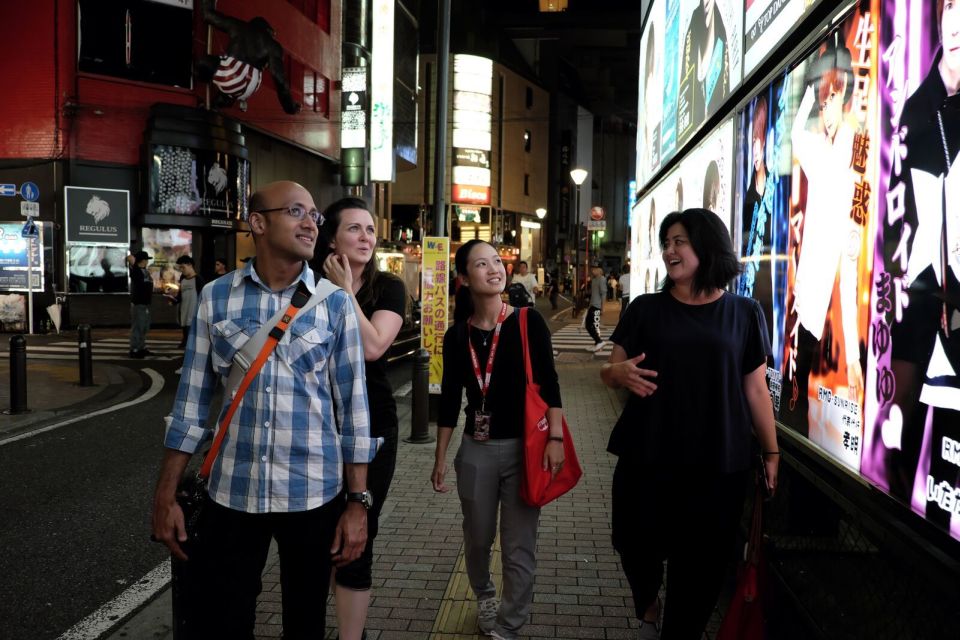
[[302, 417]]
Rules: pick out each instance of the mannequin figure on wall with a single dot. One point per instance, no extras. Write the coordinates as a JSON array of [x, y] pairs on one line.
[[237, 74]]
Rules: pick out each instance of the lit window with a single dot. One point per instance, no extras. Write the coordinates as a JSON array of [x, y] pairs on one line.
[[527, 140]]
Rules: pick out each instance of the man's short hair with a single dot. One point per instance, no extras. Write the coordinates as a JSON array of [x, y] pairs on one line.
[[185, 260], [523, 263]]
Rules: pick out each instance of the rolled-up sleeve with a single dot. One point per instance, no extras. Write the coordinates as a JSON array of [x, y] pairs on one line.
[[349, 386], [187, 427]]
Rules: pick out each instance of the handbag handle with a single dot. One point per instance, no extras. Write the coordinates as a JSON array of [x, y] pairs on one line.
[[298, 300], [526, 344]]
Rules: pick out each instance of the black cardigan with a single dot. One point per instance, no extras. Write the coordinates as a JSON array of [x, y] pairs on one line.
[[505, 397]]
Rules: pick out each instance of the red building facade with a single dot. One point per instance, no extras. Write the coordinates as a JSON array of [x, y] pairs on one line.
[[92, 90]]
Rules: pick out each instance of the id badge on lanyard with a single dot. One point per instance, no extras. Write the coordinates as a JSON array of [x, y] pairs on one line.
[[481, 417]]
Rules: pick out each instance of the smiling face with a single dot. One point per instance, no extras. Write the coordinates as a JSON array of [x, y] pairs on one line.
[[280, 233], [485, 271], [356, 236], [678, 256]]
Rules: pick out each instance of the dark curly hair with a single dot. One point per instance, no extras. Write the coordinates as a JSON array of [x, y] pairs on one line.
[[710, 240]]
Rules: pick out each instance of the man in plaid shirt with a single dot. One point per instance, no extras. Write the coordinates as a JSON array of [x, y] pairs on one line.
[[301, 427]]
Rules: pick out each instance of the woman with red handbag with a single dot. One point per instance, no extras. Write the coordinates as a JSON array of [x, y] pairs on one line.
[[694, 358], [483, 353]]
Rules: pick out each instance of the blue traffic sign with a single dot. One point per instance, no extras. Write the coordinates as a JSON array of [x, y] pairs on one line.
[[30, 230], [29, 191], [9, 190]]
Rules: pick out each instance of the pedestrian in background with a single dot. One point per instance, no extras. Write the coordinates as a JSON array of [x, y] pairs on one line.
[[219, 268], [489, 462], [141, 296], [301, 426], [528, 280], [598, 290], [694, 358], [624, 283], [347, 252], [188, 297]]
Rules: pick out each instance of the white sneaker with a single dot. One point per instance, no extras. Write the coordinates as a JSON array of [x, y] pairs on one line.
[[599, 346], [487, 615]]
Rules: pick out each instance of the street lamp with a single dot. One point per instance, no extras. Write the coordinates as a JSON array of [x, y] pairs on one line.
[[578, 176], [541, 213]]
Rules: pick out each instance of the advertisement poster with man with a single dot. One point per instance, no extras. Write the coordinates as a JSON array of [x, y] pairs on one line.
[[912, 437], [764, 204], [690, 62], [830, 245]]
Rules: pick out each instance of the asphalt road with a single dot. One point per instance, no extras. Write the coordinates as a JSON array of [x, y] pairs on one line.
[[75, 510]]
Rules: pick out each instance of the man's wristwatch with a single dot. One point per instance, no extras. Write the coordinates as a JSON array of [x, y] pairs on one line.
[[364, 497]]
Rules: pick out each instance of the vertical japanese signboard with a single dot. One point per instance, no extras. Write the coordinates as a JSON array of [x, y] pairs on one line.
[[911, 443], [433, 315], [830, 243]]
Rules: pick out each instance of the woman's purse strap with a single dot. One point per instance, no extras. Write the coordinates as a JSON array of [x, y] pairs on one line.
[[300, 300], [528, 367]]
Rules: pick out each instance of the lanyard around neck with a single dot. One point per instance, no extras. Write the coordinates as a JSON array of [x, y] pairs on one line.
[[484, 382]]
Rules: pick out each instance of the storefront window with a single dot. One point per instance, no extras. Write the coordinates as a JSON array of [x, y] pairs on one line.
[[164, 247], [96, 268]]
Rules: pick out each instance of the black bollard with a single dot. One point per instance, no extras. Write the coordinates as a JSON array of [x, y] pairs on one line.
[[419, 422], [86, 355], [18, 375]]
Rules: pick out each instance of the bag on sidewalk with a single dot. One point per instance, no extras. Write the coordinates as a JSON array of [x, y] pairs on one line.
[[538, 487], [744, 617]]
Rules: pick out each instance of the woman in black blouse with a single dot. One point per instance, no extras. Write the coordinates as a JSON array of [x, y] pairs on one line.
[[694, 358], [483, 353], [348, 238]]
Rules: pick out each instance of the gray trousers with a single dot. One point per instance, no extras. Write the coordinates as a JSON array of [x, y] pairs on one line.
[[489, 475], [139, 326]]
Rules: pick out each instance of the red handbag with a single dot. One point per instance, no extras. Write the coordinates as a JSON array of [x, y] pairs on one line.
[[744, 617], [538, 487]]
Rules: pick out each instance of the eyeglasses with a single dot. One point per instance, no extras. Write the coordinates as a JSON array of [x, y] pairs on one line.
[[298, 212]]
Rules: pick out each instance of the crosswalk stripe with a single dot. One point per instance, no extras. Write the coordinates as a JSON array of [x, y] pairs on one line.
[[574, 338], [104, 349]]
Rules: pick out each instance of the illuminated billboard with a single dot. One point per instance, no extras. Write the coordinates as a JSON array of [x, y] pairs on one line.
[[766, 23], [911, 445], [690, 62], [381, 92], [472, 128]]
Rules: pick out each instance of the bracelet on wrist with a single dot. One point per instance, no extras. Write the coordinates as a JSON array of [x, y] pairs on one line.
[[555, 439]]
